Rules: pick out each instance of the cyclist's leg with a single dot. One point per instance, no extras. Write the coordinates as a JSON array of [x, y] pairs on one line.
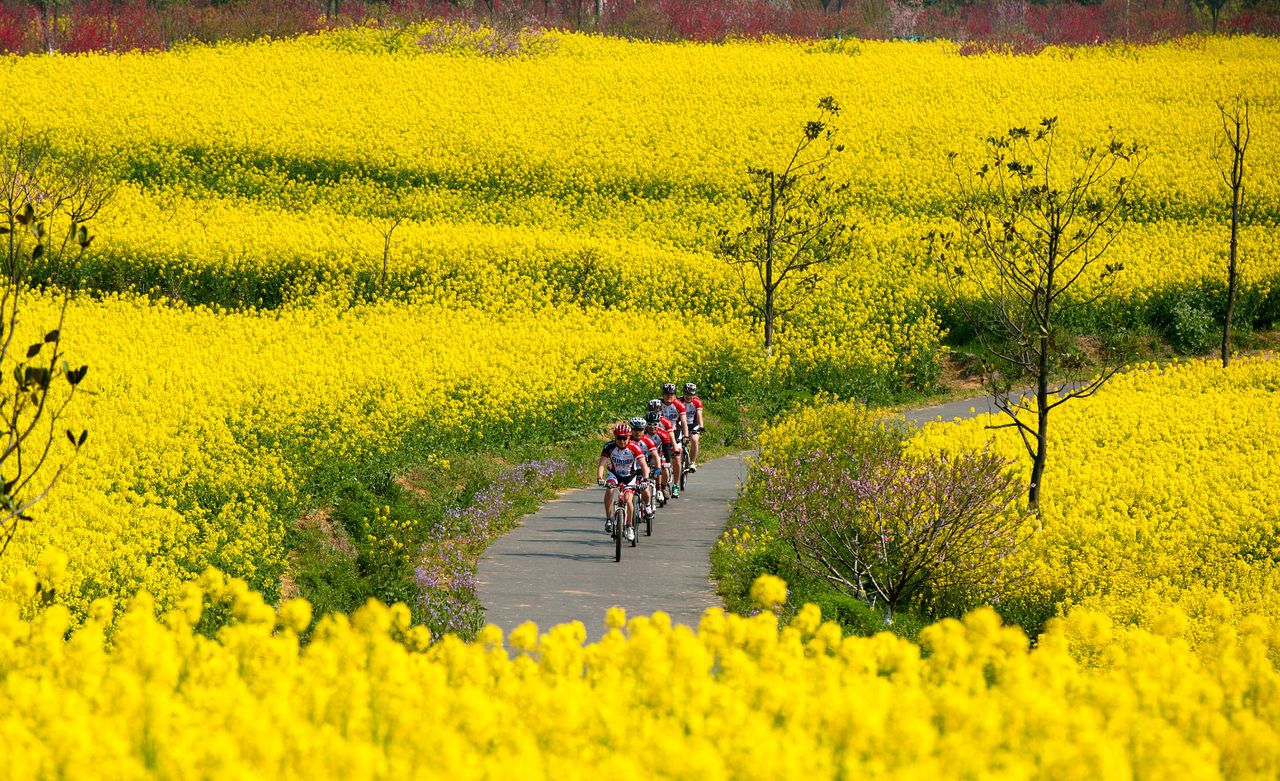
[[693, 449]]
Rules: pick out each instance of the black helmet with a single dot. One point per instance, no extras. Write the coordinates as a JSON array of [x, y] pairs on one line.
[[668, 388], [652, 418], [655, 405], [637, 424], [689, 387]]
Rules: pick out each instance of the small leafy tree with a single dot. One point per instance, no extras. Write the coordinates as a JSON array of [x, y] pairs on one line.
[[891, 527], [1214, 7], [796, 223], [1233, 143], [1035, 230], [46, 205]]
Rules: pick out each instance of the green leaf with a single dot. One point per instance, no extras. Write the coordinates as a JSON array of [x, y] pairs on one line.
[[52, 336], [35, 349], [38, 252]]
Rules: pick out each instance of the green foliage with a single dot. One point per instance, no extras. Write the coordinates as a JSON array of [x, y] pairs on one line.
[[1192, 329]]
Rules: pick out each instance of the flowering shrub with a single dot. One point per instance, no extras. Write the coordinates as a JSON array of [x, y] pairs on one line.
[[890, 529]]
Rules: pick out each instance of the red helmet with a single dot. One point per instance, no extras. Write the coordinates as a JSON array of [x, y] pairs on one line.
[[622, 430]]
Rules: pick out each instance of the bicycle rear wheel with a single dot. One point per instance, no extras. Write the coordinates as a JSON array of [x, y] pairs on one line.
[[648, 524]]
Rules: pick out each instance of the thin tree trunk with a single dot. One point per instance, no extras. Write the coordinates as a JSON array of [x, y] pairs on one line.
[[769, 287], [1231, 278], [1042, 383], [768, 317], [1237, 178]]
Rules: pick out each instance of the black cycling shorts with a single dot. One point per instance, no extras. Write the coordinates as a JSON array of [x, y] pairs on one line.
[[630, 481]]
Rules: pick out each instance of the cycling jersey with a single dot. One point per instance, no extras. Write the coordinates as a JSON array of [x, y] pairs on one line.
[[663, 442], [645, 446], [623, 461], [673, 411], [648, 443], [673, 434], [691, 411]]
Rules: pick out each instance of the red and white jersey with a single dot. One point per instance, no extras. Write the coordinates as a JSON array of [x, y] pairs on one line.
[[691, 410], [625, 460], [661, 436], [673, 411]]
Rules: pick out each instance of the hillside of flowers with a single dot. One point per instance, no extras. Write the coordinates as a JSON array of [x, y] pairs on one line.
[[362, 297], [580, 167], [281, 296]]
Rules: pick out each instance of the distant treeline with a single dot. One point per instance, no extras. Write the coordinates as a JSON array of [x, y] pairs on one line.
[[1008, 25]]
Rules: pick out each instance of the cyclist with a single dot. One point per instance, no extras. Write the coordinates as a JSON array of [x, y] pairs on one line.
[[666, 426], [665, 445], [674, 410], [693, 420], [650, 456], [624, 462]]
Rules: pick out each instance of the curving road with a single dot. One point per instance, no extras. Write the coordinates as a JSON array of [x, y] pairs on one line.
[[558, 566]]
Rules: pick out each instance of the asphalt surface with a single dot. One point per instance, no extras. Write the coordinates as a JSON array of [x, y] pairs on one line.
[[558, 566]]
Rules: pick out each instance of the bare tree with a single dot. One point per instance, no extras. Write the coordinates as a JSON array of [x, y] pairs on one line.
[[796, 223], [46, 204], [1036, 225], [388, 230], [1235, 140]]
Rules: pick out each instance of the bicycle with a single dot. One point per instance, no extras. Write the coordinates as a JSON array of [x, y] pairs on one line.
[[655, 501], [685, 468], [619, 519]]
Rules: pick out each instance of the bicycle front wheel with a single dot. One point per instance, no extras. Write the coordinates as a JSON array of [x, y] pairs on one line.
[[619, 518]]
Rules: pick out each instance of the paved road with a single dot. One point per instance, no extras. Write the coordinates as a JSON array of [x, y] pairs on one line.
[[558, 566]]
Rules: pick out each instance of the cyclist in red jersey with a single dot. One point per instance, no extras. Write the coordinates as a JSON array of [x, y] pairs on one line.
[[665, 445], [673, 410], [693, 419], [650, 455], [624, 462], [665, 425]]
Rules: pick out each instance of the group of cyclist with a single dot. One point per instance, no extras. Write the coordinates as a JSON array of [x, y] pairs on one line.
[[651, 453]]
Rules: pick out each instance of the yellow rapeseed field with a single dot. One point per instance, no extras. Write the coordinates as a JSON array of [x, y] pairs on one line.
[[269, 160], [207, 426], [741, 698]]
